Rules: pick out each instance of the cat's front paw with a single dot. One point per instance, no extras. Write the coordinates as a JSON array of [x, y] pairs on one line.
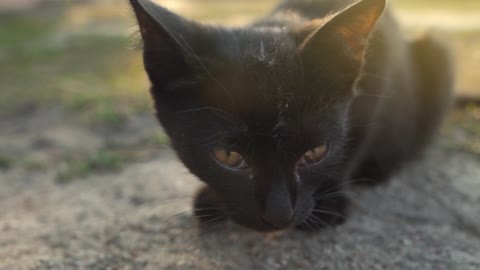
[[208, 207], [326, 214]]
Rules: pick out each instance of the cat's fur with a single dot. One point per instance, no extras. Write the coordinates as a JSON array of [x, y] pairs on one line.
[[310, 73]]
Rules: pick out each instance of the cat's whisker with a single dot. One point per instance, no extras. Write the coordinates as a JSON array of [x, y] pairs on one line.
[[316, 210], [214, 221], [176, 215], [199, 215], [317, 225], [333, 194], [322, 222], [330, 192], [343, 184], [209, 219], [307, 223], [206, 215], [206, 208], [314, 225], [337, 195], [333, 189], [170, 200]]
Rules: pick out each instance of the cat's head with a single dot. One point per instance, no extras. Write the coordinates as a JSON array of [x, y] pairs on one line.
[[258, 113]]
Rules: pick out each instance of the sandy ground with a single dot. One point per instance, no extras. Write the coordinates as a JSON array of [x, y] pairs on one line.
[[428, 217], [140, 218]]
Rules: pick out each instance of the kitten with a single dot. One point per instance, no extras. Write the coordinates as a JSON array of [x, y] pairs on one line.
[[280, 116]]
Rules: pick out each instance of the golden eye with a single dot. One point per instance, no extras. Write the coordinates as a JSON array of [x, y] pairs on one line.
[[313, 156], [229, 158]]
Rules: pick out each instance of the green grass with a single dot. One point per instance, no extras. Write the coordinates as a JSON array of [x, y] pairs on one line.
[[110, 158], [104, 113], [33, 165], [79, 166], [16, 29], [159, 139], [462, 130], [469, 120], [5, 162], [42, 66]]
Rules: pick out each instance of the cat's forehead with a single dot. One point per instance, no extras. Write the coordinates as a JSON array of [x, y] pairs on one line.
[[258, 78], [251, 64], [261, 44], [258, 88]]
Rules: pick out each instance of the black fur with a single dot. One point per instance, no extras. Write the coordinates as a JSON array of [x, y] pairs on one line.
[[310, 73]]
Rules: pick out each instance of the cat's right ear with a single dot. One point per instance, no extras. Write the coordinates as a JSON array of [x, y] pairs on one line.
[[168, 41], [341, 39]]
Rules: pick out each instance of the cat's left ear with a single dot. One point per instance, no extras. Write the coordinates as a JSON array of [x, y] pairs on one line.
[[345, 35], [172, 45]]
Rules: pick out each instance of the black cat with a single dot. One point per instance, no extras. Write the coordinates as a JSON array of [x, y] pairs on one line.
[[280, 116]]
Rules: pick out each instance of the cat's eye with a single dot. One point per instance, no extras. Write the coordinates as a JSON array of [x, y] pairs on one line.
[[313, 156], [230, 159]]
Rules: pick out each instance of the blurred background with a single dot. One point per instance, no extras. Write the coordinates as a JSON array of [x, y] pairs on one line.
[[71, 66], [85, 169]]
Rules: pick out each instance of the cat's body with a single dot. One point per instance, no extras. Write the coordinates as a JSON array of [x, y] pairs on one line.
[[403, 92], [244, 106]]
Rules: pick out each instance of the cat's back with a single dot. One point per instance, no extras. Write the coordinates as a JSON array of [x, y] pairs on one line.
[[313, 8], [293, 13]]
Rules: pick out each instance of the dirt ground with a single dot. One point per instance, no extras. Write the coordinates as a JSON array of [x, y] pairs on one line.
[[139, 217], [87, 180]]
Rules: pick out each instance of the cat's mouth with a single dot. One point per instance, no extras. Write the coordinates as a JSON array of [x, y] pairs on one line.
[[209, 209]]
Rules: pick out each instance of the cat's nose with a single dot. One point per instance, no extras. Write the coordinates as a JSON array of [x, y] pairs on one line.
[[278, 209]]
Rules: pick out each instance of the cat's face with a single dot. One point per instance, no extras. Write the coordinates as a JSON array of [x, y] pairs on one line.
[[259, 115], [263, 137]]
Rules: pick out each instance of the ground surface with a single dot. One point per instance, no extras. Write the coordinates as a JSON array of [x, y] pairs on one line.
[[87, 180], [137, 216]]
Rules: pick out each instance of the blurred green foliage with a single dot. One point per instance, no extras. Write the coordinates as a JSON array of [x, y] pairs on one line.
[[5, 162], [43, 64], [78, 166]]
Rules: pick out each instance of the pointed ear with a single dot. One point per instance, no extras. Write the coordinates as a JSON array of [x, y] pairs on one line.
[[158, 24], [170, 43], [345, 33]]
